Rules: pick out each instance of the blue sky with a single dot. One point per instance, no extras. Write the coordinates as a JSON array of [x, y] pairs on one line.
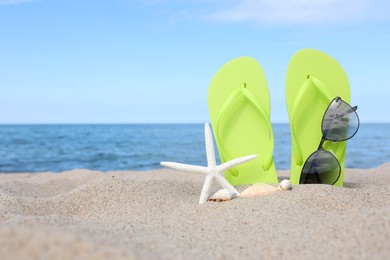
[[151, 61]]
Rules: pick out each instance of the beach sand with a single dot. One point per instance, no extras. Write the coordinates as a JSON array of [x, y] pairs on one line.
[[155, 215]]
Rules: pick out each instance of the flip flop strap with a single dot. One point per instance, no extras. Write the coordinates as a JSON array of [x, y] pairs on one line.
[[310, 82], [245, 92]]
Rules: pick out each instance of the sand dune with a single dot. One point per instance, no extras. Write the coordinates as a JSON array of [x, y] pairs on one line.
[[155, 214]]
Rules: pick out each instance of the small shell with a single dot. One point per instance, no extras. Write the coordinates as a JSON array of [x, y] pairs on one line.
[[258, 189], [285, 185], [222, 195]]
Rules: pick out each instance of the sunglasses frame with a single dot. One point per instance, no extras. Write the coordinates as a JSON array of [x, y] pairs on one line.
[[323, 139]]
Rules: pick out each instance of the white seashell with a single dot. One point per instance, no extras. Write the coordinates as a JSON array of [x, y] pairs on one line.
[[285, 185], [222, 195], [258, 189]]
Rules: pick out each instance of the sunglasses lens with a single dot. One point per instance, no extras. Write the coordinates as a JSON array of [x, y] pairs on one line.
[[320, 167], [340, 121]]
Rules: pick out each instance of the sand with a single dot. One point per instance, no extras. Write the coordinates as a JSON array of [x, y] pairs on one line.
[[155, 215]]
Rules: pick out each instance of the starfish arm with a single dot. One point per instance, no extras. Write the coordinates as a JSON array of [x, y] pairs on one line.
[[227, 165], [205, 194], [185, 167], [225, 184], [209, 146]]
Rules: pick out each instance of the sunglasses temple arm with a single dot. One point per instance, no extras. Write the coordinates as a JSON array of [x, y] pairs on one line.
[[323, 139], [318, 178], [316, 174], [307, 177], [319, 148]]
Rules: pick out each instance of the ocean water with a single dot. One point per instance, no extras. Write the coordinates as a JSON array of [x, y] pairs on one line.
[[39, 148]]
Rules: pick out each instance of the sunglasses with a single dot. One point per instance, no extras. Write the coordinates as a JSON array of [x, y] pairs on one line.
[[339, 123]]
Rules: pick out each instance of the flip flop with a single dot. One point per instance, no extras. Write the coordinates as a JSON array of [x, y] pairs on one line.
[[239, 108], [313, 80]]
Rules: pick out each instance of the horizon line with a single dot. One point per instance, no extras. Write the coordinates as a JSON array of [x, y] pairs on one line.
[[149, 123]]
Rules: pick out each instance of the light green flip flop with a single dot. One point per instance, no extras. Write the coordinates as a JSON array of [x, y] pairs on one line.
[[239, 107], [313, 80]]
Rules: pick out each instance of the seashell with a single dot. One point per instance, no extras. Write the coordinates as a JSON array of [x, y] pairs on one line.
[[258, 189], [222, 195], [285, 185]]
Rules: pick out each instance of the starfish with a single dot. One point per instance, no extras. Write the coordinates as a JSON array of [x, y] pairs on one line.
[[214, 172]]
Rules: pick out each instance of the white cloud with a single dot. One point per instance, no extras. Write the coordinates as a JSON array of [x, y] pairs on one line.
[[304, 11], [10, 2], [277, 12]]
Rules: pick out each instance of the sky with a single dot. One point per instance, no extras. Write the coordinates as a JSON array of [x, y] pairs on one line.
[[151, 61]]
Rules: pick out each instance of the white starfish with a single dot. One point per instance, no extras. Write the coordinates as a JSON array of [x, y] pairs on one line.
[[213, 171]]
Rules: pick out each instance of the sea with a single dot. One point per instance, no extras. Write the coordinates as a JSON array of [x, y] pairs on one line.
[[113, 147]]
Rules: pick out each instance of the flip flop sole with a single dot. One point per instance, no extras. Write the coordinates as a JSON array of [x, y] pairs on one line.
[[239, 108], [306, 104]]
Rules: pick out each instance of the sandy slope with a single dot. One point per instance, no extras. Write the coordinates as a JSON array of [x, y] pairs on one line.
[[155, 214]]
